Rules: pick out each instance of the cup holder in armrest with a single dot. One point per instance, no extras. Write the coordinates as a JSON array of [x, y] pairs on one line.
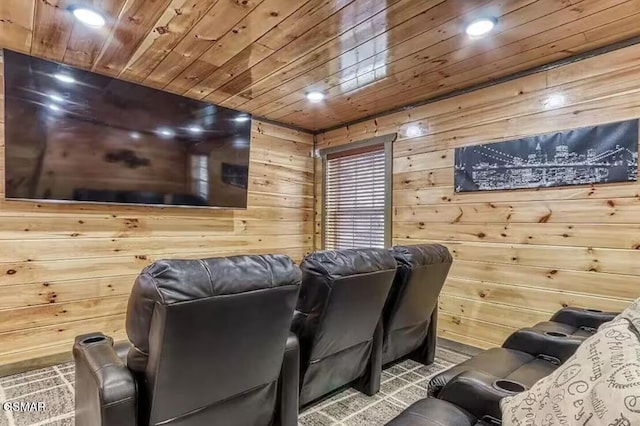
[[93, 339], [509, 386], [555, 334], [597, 311]]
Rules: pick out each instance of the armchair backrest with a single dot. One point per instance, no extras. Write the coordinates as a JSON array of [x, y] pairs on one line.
[[209, 336], [422, 271], [340, 304]]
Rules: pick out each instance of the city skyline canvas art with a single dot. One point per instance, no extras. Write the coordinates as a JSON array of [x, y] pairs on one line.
[[587, 155]]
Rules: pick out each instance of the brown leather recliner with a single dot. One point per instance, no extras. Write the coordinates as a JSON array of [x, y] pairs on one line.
[[210, 345], [411, 311], [338, 319]]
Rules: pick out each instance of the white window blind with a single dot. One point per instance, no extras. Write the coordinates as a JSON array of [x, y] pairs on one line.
[[355, 199]]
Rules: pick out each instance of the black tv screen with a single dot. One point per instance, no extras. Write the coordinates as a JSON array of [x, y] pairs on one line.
[[74, 135]]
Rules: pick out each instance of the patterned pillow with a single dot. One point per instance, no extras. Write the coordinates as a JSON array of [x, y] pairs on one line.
[[598, 385]]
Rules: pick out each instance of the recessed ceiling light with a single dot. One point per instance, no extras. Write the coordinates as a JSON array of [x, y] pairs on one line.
[[554, 101], [194, 129], [54, 107], [414, 131], [315, 97], [135, 135], [88, 16], [241, 118], [166, 132], [480, 27], [65, 78], [56, 98]]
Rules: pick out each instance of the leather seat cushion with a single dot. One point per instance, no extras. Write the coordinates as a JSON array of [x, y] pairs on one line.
[[502, 363], [558, 327], [434, 412]]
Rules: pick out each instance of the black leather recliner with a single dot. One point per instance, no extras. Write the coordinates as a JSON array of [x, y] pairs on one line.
[[210, 345], [471, 398], [438, 412], [411, 312], [576, 322], [469, 393], [532, 353], [338, 319], [525, 357]]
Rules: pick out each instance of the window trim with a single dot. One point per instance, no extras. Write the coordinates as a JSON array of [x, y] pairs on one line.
[[387, 142]]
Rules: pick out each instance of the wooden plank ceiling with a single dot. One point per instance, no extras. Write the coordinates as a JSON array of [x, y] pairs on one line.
[[261, 56]]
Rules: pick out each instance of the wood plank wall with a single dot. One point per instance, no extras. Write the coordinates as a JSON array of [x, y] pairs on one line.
[[519, 255], [67, 269]]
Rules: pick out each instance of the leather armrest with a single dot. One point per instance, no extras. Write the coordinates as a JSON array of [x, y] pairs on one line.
[[288, 384], [299, 327], [583, 318], [369, 382], [556, 349], [432, 337], [426, 352], [105, 388], [298, 322], [122, 349], [477, 393]]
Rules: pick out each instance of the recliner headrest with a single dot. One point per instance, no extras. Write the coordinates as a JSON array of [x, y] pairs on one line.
[[421, 254], [167, 282], [183, 280], [340, 263]]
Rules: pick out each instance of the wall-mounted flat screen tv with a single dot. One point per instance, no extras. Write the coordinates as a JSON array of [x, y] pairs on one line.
[[73, 135]]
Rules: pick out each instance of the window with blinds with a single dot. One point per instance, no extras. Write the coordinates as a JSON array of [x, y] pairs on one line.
[[355, 199]]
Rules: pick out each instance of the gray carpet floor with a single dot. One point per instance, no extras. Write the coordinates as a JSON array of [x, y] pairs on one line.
[[402, 384]]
